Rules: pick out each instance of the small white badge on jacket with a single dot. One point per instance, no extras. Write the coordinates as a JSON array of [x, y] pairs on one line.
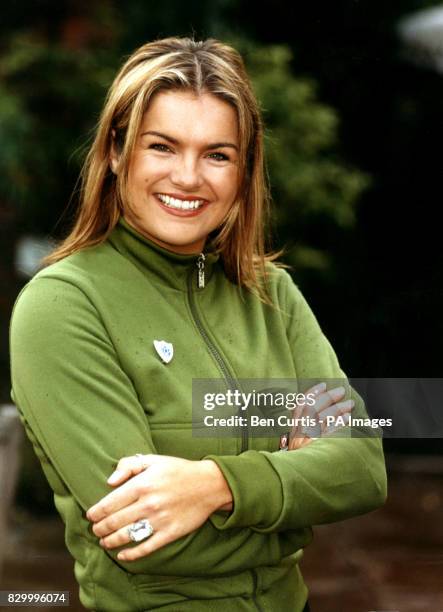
[[165, 350]]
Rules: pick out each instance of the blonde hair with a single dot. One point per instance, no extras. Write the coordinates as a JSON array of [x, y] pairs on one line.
[[208, 66]]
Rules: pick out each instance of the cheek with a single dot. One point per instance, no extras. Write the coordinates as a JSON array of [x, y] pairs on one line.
[[146, 171], [228, 182]]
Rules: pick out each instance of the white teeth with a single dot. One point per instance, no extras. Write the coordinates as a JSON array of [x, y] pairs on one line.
[[180, 204]]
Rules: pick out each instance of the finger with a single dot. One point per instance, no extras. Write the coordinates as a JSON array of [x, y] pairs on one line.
[[338, 409], [326, 399], [119, 534], [340, 418], [333, 428], [323, 399], [303, 421], [298, 423], [316, 389], [313, 391], [129, 466], [121, 475], [126, 494], [138, 462], [111, 524], [325, 408], [153, 543], [303, 409], [297, 443], [307, 440], [330, 417], [301, 442]]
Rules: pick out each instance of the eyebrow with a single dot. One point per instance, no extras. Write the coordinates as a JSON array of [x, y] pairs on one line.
[[214, 145]]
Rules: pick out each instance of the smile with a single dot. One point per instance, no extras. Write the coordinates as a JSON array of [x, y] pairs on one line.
[[180, 204]]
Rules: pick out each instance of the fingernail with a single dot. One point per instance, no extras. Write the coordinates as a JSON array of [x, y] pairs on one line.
[[114, 477], [338, 392], [319, 388], [121, 556]]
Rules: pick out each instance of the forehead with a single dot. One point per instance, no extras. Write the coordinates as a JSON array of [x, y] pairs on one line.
[[186, 115]]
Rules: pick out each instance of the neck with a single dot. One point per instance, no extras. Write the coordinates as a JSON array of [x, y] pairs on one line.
[[186, 249]]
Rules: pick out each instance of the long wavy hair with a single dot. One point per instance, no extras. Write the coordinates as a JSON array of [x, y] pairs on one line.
[[208, 66]]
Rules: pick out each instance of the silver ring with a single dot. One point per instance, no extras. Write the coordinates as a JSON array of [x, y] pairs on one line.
[[140, 530]]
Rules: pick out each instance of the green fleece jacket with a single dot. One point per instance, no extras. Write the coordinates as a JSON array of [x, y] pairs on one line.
[[91, 388]]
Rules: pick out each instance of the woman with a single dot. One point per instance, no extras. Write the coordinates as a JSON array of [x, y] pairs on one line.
[[162, 280]]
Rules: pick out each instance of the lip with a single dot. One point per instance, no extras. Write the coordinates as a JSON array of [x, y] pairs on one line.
[[181, 213]]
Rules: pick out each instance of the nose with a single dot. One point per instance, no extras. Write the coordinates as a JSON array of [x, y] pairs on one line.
[[186, 173]]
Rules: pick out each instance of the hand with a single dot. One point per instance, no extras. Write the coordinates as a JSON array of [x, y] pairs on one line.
[[176, 495], [131, 466], [326, 404]]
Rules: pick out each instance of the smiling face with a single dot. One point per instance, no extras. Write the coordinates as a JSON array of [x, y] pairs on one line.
[[184, 173]]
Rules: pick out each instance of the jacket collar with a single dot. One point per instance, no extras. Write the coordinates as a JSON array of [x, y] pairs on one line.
[[157, 263]]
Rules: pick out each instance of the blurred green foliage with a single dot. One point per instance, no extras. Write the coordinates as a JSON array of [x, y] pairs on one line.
[[308, 179], [50, 96]]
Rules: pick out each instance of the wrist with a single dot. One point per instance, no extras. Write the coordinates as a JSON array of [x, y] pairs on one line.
[[219, 492]]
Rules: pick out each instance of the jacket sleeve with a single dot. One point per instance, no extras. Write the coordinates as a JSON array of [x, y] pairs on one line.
[[83, 411], [335, 477]]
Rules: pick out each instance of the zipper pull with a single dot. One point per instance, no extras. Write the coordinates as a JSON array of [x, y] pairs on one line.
[[201, 271]]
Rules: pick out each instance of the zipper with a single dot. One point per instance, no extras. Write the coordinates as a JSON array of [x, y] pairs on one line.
[[201, 271], [212, 348], [223, 368]]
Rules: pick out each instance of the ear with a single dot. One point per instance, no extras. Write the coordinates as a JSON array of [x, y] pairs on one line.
[[113, 155]]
